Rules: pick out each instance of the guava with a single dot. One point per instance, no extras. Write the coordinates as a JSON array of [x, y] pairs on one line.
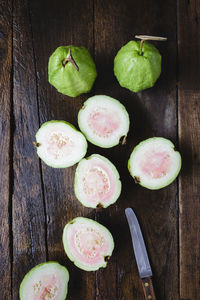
[[59, 144], [154, 163], [45, 281], [97, 182], [104, 121], [72, 70], [87, 243], [137, 69]]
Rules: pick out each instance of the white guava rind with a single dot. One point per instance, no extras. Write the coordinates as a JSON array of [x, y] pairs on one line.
[[68, 252], [165, 181], [33, 273], [78, 177], [103, 100], [77, 136]]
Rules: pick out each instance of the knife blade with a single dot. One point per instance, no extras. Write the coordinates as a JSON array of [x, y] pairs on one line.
[[141, 255]]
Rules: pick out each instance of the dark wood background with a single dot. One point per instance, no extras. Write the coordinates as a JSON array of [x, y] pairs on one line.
[[37, 201]]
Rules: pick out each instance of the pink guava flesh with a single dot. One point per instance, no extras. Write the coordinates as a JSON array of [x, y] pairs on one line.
[[47, 287], [88, 245], [156, 164], [98, 182], [59, 145], [103, 122]]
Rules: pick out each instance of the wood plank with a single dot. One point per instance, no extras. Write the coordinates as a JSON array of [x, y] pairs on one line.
[[69, 22], [153, 113], [189, 134], [28, 207], [5, 104]]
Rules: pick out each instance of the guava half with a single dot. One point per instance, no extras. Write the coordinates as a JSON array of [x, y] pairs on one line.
[[97, 182], [59, 144], [72, 70], [154, 163], [104, 121], [45, 281], [87, 243], [137, 69]]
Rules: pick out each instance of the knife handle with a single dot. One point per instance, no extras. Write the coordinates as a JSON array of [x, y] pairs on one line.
[[148, 288]]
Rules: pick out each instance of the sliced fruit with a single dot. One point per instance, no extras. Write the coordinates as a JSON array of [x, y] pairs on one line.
[[104, 121], [154, 163], [87, 243], [45, 281], [59, 144], [72, 70], [97, 182]]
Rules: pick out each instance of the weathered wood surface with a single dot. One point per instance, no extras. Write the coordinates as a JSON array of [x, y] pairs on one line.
[[189, 136], [28, 206], [58, 27], [5, 145], [153, 113], [37, 201]]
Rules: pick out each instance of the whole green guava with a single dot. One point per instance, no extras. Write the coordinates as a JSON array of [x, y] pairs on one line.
[[137, 69], [71, 70]]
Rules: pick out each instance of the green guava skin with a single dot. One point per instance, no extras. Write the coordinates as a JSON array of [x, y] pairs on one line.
[[66, 79], [136, 71], [35, 269]]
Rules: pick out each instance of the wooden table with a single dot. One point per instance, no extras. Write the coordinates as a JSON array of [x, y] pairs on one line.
[[37, 201]]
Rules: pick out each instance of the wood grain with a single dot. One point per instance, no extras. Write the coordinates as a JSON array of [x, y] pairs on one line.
[[28, 208], [37, 201], [5, 185], [63, 24], [152, 113], [189, 134]]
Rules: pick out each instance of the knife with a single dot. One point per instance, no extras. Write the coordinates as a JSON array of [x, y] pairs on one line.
[[141, 256]]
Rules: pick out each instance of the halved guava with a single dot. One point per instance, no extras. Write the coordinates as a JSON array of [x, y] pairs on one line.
[[154, 163], [104, 121], [97, 182], [45, 281], [59, 144], [87, 243]]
